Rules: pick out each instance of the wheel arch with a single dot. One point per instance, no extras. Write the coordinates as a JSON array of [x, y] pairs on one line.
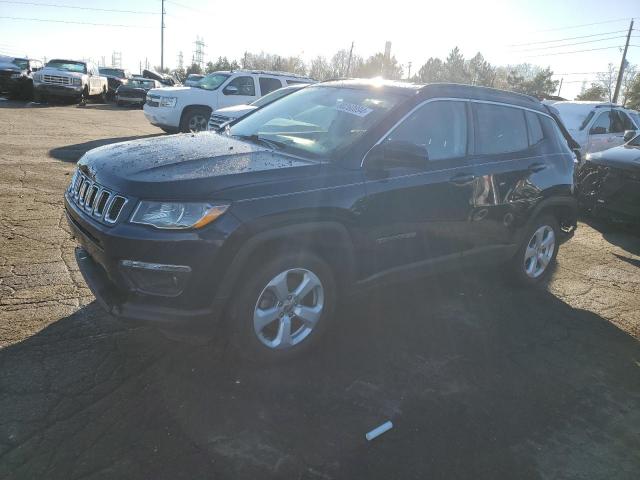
[[330, 240], [563, 209], [188, 108]]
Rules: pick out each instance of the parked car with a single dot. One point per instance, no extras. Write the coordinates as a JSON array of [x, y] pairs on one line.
[[16, 76], [134, 92], [222, 116], [115, 78], [608, 182], [596, 126], [192, 80], [75, 79], [341, 186], [187, 109], [164, 78]]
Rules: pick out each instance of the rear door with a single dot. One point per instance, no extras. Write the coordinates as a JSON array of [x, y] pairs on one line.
[[268, 84], [417, 216]]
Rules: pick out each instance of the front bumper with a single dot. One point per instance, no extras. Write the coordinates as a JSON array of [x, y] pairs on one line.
[[104, 252], [162, 117], [59, 90]]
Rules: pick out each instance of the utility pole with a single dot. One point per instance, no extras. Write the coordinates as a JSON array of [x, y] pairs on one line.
[[162, 38], [560, 86], [622, 65], [409, 74], [349, 62]]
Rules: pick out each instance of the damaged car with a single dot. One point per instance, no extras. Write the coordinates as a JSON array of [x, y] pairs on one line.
[[16, 76], [608, 182]]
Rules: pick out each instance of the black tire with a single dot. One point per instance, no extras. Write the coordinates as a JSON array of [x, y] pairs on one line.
[[253, 288], [192, 119], [519, 264]]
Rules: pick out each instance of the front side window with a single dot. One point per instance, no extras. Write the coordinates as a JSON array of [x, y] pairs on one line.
[[244, 86], [268, 85], [535, 129], [500, 129], [440, 127], [602, 125], [317, 122]]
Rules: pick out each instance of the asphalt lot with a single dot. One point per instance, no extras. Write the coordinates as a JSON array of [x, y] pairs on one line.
[[481, 380]]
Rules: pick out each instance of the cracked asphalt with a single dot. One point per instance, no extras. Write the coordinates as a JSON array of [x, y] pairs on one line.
[[481, 380]]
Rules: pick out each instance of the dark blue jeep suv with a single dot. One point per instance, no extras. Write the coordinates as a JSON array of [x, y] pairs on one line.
[[336, 187]]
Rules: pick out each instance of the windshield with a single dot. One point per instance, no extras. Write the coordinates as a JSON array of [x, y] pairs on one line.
[[317, 121], [272, 97], [114, 72], [21, 63], [68, 65], [574, 117], [139, 83], [212, 81]]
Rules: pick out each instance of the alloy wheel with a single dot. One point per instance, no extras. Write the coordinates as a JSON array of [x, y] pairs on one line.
[[197, 123], [539, 251], [288, 308]]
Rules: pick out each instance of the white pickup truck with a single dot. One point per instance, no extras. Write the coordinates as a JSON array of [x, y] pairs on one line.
[[69, 78], [187, 109]]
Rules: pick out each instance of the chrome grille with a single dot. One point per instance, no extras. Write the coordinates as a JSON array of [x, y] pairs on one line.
[[96, 200], [216, 121], [56, 80]]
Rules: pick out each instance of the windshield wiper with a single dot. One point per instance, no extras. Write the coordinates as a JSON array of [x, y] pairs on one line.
[[276, 145]]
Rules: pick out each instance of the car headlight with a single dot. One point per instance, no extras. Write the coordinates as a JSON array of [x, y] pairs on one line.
[[177, 215], [168, 101], [76, 81]]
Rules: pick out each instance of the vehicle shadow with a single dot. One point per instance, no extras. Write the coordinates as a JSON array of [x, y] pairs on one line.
[[72, 153], [480, 381], [624, 236]]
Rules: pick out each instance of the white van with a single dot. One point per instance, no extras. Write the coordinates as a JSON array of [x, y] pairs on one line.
[[187, 109], [597, 126]]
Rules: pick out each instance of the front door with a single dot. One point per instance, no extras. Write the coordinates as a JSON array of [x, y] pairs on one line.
[[239, 91], [418, 215]]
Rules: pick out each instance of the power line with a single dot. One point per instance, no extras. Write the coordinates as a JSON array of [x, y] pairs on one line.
[[569, 44], [71, 22], [574, 51], [579, 73], [57, 5], [565, 39], [187, 7], [583, 25]]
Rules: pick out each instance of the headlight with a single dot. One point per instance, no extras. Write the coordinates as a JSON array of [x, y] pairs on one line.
[[168, 101], [76, 81], [177, 215]]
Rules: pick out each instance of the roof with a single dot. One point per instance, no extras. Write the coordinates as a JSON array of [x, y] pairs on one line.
[[265, 72], [454, 90]]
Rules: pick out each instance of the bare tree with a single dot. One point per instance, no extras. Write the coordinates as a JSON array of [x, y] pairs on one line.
[[608, 80]]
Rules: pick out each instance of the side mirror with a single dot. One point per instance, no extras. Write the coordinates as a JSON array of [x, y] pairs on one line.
[[597, 131], [628, 135], [397, 154], [231, 90]]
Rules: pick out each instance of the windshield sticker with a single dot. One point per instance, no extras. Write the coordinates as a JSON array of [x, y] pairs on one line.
[[354, 109]]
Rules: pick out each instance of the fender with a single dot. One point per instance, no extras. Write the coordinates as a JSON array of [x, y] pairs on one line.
[[325, 235]]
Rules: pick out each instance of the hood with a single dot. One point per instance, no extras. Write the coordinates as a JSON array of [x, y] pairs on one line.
[[235, 111], [624, 157], [8, 66], [169, 90], [185, 166], [58, 71], [161, 77]]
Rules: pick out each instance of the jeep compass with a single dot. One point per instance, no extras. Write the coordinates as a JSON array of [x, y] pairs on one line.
[[337, 187]]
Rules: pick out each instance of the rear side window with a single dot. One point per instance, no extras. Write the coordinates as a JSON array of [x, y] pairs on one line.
[[440, 127], [552, 131], [625, 121], [535, 129], [295, 82], [500, 129], [268, 85]]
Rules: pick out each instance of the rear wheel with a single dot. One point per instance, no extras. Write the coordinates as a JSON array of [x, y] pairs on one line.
[[537, 253], [284, 308], [195, 119]]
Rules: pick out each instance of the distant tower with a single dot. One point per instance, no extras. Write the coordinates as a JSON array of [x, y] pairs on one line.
[[198, 53], [180, 61], [116, 59]]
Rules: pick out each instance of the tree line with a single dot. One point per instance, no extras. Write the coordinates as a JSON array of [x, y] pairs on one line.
[[522, 78]]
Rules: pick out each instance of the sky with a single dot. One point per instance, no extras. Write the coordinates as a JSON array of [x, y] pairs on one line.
[[505, 32]]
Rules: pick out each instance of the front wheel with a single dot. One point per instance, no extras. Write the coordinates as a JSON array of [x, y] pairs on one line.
[[284, 308], [195, 120], [533, 261]]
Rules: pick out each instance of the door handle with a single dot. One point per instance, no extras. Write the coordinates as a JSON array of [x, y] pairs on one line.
[[462, 179], [537, 167]]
